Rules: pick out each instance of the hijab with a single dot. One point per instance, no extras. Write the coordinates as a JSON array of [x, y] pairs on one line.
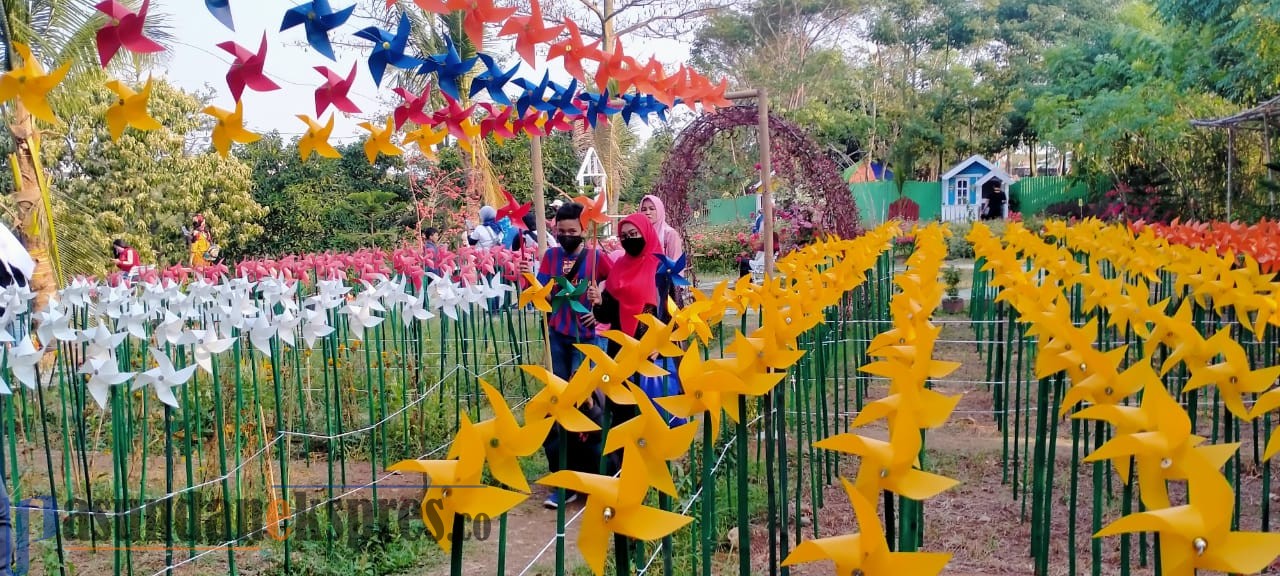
[[489, 217], [633, 279], [668, 238], [14, 254]]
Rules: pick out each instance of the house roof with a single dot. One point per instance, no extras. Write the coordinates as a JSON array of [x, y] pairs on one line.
[[977, 158]]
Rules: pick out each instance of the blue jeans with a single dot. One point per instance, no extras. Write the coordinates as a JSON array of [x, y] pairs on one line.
[[565, 358]]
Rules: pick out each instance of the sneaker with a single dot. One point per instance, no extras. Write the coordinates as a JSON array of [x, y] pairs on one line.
[[553, 501]]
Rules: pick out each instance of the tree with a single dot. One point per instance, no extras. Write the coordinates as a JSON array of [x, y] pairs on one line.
[[146, 186], [57, 31]]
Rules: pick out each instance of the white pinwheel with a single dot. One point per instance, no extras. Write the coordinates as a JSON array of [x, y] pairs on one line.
[[445, 295], [163, 378], [55, 323], [415, 308], [207, 344], [170, 329], [261, 329], [102, 342], [103, 374], [287, 325], [23, 360], [494, 287], [315, 327], [76, 294], [133, 319]]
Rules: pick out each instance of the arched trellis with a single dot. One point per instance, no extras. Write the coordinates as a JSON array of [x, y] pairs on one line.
[[795, 156]]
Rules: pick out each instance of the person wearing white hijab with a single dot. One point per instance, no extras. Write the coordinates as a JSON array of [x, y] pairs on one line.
[[20, 266]]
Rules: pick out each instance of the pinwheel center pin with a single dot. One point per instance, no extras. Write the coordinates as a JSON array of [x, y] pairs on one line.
[[311, 15], [493, 442], [697, 394], [445, 493], [1083, 367], [554, 400], [640, 442], [1233, 380], [1108, 391], [1200, 545], [884, 472], [605, 378], [1166, 463], [608, 513], [786, 320], [386, 45]]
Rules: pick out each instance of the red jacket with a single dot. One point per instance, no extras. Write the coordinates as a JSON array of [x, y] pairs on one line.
[[128, 260]]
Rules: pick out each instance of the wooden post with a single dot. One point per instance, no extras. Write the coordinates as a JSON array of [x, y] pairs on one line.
[[766, 178], [539, 196], [1231, 160], [1266, 156]]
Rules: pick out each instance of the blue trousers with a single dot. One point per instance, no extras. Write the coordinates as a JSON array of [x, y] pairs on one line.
[[583, 451]]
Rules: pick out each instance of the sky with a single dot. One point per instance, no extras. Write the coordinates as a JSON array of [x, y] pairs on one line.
[[198, 64]]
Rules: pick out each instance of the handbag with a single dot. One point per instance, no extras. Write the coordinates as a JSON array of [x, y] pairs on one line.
[[662, 386]]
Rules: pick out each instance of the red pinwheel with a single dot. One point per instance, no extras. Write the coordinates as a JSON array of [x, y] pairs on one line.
[[497, 122], [559, 121], [514, 210], [246, 71], [334, 91], [412, 108], [574, 51], [124, 30], [652, 80], [455, 118], [529, 123], [530, 31]]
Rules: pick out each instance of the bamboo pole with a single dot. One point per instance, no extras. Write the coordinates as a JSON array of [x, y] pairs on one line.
[[766, 179]]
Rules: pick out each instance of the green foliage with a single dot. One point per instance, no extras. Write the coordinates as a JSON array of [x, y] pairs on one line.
[[145, 187], [716, 249], [326, 204], [951, 278], [648, 165]]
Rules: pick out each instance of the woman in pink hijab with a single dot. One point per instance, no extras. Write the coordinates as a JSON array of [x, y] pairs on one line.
[[653, 209]]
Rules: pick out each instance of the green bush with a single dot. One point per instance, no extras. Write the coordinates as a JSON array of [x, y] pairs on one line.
[[716, 249]]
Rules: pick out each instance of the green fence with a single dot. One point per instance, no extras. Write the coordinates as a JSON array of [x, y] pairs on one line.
[[730, 210], [873, 199], [1036, 194]]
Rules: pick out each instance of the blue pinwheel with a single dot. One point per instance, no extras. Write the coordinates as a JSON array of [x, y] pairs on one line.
[[563, 99], [493, 79], [221, 9], [532, 97], [388, 49], [642, 105], [448, 67], [598, 106], [318, 18], [673, 268]]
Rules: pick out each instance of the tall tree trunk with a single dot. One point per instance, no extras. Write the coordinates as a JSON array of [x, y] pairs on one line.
[[31, 215]]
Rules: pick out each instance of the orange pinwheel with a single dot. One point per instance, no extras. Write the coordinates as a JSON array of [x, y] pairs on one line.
[[1233, 376], [316, 139], [130, 109], [455, 486], [615, 506], [426, 137], [559, 399], [506, 441], [1163, 450], [594, 211], [867, 552], [573, 51], [890, 465], [1198, 535], [379, 140], [530, 31], [536, 294], [229, 128], [30, 85], [653, 439], [477, 13]]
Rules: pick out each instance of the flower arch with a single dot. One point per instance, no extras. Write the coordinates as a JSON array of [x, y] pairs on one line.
[[795, 157]]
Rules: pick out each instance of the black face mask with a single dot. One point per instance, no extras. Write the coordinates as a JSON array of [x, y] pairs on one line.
[[633, 246], [569, 243]]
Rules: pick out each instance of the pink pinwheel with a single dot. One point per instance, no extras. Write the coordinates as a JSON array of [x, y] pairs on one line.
[[123, 30], [413, 107], [334, 91], [247, 70]]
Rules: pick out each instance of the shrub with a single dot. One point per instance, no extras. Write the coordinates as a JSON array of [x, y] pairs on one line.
[[716, 249]]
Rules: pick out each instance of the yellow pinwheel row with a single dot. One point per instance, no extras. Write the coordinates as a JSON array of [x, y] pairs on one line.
[[1157, 435], [790, 304], [904, 356], [1218, 360]]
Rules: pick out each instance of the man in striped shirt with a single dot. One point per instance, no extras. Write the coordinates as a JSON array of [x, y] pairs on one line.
[[577, 263]]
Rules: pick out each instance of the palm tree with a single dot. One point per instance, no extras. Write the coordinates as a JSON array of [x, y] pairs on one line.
[[57, 31]]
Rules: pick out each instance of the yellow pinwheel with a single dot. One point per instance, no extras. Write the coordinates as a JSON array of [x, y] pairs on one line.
[[229, 128], [615, 506], [1162, 451], [691, 320], [866, 552], [505, 441], [654, 440], [1103, 385], [611, 375], [710, 386], [1168, 330], [30, 85], [1266, 403], [426, 137], [1198, 535], [379, 140], [130, 109], [316, 139], [536, 294], [559, 400], [455, 486], [755, 354], [1232, 376], [890, 465], [657, 339]]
